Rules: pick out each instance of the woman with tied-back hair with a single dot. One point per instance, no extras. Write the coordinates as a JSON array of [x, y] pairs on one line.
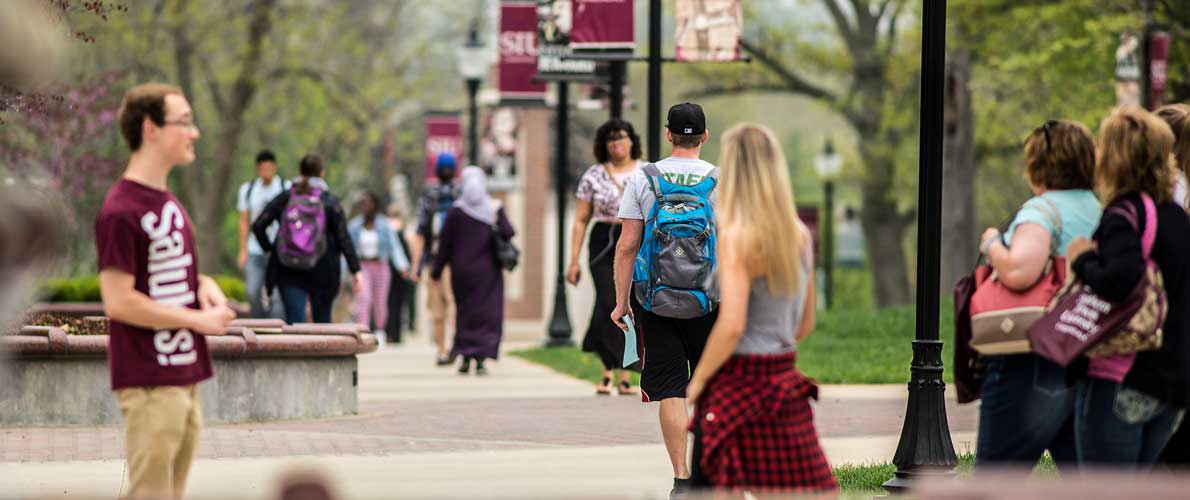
[[1177, 116], [1128, 406], [617, 150], [476, 277], [753, 425], [379, 254]]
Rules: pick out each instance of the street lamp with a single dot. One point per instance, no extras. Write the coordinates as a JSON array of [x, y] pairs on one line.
[[473, 63], [828, 163]]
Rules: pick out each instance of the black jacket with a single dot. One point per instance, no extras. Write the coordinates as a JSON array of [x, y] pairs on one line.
[[1115, 268], [323, 279]]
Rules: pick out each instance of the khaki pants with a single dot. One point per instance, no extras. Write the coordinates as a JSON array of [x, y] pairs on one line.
[[442, 302], [161, 426]]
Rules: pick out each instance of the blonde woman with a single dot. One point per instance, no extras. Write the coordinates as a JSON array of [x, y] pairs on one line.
[[1127, 407], [1177, 116], [766, 277]]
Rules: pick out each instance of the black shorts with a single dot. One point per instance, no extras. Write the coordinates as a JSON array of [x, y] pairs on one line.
[[672, 348]]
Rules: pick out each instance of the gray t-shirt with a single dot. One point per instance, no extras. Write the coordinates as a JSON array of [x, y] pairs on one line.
[[638, 198], [773, 320]]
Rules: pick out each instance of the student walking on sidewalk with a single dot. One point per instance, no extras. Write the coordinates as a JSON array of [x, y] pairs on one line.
[[753, 425], [161, 309], [476, 277], [304, 258], [251, 200], [379, 254], [600, 191]]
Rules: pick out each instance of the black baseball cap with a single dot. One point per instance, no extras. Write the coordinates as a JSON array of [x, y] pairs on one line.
[[686, 119]]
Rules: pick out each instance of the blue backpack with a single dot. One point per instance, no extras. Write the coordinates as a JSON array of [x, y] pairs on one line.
[[677, 254]]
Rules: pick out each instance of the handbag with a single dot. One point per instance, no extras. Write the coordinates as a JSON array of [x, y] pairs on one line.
[[1080, 322], [1001, 316], [507, 254]]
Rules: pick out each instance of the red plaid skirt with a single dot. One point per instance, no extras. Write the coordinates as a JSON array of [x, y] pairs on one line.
[[756, 428]]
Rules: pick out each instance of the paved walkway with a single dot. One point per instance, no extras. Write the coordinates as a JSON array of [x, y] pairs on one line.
[[425, 431]]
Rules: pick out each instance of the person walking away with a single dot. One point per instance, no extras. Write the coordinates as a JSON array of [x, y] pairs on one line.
[[600, 191], [432, 208], [753, 425], [379, 252], [401, 291], [1177, 116], [252, 261], [161, 308], [1128, 406], [664, 294], [477, 280], [304, 257], [1027, 406]]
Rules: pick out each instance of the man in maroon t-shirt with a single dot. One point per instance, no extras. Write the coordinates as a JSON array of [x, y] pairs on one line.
[[160, 307]]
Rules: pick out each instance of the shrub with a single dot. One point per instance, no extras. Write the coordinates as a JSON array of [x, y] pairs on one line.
[[86, 289]]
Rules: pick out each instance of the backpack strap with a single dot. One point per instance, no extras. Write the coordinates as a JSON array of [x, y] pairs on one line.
[[653, 175], [1149, 237], [248, 195]]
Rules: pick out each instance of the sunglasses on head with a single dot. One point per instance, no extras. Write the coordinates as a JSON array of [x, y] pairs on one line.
[[1049, 124]]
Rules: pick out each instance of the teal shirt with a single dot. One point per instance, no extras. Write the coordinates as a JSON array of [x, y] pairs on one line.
[[1079, 210]]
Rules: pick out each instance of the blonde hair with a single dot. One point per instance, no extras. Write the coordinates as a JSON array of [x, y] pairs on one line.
[[1134, 149], [1177, 116], [756, 201]]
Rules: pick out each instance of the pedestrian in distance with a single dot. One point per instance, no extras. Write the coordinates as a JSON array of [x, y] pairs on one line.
[[753, 425], [252, 260], [402, 292], [1127, 406], [161, 308], [304, 257], [1027, 406], [665, 254], [1177, 116], [477, 279], [600, 191], [379, 253], [432, 207]]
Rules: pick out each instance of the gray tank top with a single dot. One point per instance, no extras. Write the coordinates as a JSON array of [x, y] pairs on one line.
[[773, 319]]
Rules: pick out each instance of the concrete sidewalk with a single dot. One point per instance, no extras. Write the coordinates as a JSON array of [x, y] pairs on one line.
[[427, 432]]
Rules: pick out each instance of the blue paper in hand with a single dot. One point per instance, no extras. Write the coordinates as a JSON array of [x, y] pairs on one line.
[[630, 355]]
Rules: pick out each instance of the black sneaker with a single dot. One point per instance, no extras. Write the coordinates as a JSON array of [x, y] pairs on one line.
[[479, 368], [681, 489], [465, 367]]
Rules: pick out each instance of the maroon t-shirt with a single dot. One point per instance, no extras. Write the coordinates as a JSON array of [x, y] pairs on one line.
[[146, 233]]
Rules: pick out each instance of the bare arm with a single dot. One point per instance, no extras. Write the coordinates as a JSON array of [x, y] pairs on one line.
[[626, 249], [419, 243], [123, 303], [578, 232], [1020, 266], [806, 327], [244, 223], [734, 285]]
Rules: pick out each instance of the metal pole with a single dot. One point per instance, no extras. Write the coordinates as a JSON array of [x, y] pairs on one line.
[[828, 243], [559, 329], [925, 448], [1146, 63], [615, 90], [654, 141], [473, 122]]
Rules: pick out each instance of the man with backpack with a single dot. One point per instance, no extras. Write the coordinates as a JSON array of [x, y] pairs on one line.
[[431, 212], [661, 278], [252, 260]]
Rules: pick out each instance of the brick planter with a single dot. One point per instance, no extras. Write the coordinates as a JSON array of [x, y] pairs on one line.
[[264, 370]]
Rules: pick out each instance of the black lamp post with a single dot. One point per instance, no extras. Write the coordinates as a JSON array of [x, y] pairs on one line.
[[473, 65], [559, 328], [828, 164], [925, 448]]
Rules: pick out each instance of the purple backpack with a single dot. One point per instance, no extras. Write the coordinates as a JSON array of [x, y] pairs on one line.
[[302, 238]]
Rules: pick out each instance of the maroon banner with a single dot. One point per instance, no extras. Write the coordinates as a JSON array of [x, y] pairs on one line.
[[603, 26], [1158, 57], [518, 53], [443, 135]]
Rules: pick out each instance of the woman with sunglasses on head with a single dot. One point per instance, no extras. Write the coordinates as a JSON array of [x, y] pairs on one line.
[[1027, 407], [1129, 405], [617, 149]]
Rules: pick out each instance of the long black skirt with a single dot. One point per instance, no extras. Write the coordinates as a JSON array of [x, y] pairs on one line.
[[604, 337]]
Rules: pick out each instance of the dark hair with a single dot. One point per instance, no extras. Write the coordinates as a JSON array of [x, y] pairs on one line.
[[309, 166], [606, 130], [688, 141], [1060, 154], [141, 101], [265, 155], [370, 196]]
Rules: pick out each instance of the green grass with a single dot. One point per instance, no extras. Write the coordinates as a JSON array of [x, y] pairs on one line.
[[848, 347], [856, 479]]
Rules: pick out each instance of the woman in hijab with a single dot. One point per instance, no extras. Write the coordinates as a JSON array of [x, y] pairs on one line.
[[465, 244]]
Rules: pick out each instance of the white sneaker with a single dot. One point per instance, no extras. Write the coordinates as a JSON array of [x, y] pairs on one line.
[[380, 339]]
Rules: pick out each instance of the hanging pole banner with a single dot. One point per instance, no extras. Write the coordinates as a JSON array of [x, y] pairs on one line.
[[444, 134], [553, 44], [602, 26], [518, 54], [708, 30], [1158, 58]]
